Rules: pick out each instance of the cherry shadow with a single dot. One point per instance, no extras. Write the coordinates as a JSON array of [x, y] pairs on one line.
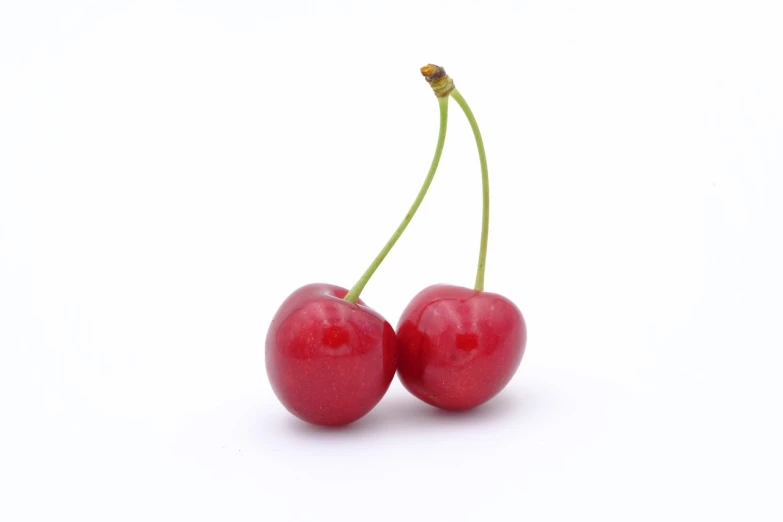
[[409, 411], [404, 413]]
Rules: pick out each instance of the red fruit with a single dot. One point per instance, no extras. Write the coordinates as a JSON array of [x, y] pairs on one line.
[[329, 361], [459, 347]]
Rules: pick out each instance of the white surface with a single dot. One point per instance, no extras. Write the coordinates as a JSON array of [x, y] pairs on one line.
[[170, 171]]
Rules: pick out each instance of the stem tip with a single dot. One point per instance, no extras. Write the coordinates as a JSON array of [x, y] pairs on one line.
[[436, 76]]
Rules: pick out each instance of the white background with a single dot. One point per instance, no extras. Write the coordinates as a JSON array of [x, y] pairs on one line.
[[171, 171]]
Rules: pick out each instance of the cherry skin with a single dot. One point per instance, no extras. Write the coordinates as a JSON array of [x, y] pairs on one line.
[[457, 347], [329, 361]]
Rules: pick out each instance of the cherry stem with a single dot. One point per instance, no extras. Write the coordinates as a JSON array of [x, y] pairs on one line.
[[482, 261], [353, 295]]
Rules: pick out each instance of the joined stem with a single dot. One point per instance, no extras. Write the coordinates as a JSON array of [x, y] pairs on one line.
[[482, 261], [353, 295]]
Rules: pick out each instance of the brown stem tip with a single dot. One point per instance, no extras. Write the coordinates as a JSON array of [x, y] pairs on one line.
[[440, 82]]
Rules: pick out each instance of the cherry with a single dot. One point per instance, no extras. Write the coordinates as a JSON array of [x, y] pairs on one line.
[[459, 347], [329, 360], [329, 357]]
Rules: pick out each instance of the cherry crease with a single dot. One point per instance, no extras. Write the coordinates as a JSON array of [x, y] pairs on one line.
[[329, 361], [458, 347]]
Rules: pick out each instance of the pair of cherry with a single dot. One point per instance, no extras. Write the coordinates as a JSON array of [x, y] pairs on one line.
[[330, 358]]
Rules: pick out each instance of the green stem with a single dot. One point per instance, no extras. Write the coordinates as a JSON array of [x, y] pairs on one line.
[[482, 261], [353, 294]]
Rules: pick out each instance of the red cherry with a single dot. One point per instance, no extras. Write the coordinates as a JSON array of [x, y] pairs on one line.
[[329, 360], [459, 347], [329, 357]]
